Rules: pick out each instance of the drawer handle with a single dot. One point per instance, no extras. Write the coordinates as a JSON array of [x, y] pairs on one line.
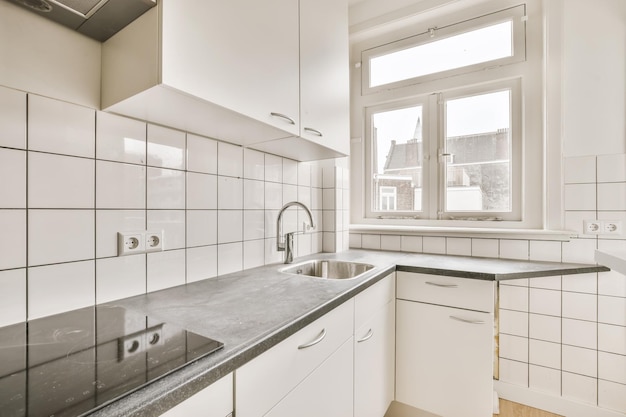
[[318, 339], [314, 131], [284, 116], [368, 336], [436, 284], [467, 320]]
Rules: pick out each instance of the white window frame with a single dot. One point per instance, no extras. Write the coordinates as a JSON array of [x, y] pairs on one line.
[[514, 14], [529, 74]]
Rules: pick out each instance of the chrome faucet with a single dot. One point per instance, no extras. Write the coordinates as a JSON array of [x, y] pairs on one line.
[[285, 243]]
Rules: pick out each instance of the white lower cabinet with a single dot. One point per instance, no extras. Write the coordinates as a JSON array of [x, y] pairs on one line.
[[216, 400], [374, 349], [326, 392], [265, 385], [444, 356]]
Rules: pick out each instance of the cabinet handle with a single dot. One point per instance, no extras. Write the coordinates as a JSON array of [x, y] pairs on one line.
[[318, 339], [368, 336], [314, 131], [283, 116], [436, 284], [467, 320]]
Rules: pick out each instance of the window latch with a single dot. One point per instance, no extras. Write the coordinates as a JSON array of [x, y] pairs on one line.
[[431, 31]]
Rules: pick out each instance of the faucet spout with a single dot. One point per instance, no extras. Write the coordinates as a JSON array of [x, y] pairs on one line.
[[281, 244]]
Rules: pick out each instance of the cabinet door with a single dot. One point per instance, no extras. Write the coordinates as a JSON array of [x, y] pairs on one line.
[[216, 400], [241, 54], [324, 73], [444, 359], [261, 383], [326, 392], [374, 361]]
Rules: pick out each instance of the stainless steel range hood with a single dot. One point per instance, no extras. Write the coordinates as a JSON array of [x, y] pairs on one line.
[[98, 19]]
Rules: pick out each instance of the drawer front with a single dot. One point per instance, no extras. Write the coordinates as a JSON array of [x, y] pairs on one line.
[[471, 294], [265, 380], [368, 302]]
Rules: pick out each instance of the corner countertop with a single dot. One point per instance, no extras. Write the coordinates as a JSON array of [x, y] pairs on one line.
[[252, 310]]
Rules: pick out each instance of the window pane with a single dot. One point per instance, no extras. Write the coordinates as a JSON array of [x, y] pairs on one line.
[[397, 160], [469, 48], [478, 145]]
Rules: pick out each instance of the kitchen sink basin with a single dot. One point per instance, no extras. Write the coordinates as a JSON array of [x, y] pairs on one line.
[[329, 269]]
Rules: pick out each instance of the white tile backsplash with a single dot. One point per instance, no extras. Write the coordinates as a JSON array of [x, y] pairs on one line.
[[166, 147], [48, 288], [459, 246], [201, 191], [580, 361], [545, 354], [612, 168], [201, 263], [580, 333], [56, 236], [120, 139], [56, 181], [165, 269], [87, 175], [201, 227], [13, 166], [544, 379], [109, 222], [13, 239], [434, 244], [59, 127], [489, 248], [390, 242], [230, 160], [612, 396], [612, 367], [580, 170], [120, 277], [201, 154], [612, 196], [612, 338], [165, 189], [12, 118], [172, 223], [580, 196], [230, 258], [514, 249], [120, 186], [579, 388], [580, 306], [12, 296], [230, 226]]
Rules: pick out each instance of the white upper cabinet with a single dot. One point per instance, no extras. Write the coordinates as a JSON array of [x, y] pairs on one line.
[[246, 72]]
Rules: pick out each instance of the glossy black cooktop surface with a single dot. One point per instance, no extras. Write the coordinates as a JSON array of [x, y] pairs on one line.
[[73, 363]]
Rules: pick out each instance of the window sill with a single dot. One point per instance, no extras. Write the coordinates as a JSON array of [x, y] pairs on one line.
[[475, 232]]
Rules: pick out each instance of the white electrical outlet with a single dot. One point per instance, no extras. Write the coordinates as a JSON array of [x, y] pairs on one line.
[[612, 227], [129, 243], [592, 227], [154, 241]]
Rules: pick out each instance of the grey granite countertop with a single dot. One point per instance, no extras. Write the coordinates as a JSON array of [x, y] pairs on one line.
[[252, 310]]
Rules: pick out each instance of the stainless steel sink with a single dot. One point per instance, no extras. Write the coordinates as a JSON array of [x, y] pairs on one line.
[[329, 269]]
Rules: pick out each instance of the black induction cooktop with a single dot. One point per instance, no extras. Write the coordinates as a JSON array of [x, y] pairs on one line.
[[73, 363]]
